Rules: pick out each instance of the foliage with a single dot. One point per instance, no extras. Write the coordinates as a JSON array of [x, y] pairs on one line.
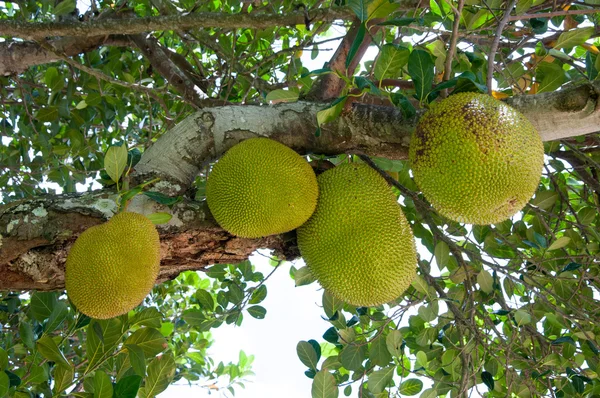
[[509, 310], [54, 350]]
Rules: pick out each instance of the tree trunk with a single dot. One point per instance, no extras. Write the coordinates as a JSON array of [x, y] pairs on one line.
[[35, 234]]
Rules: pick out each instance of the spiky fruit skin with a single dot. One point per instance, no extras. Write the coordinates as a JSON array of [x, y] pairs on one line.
[[358, 243], [112, 267], [261, 187], [476, 159]]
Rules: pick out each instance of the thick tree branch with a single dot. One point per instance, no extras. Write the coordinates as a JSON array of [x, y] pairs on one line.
[[135, 25], [37, 234], [374, 130], [16, 57]]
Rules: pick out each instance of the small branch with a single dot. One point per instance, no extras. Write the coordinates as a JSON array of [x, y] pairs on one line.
[[496, 42], [552, 14], [453, 40], [159, 58]]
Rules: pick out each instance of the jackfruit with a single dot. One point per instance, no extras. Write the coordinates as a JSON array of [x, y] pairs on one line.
[[261, 187], [112, 267], [358, 243], [476, 159]]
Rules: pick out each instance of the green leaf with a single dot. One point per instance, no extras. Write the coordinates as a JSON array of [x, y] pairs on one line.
[[281, 95], [523, 6], [102, 385], [379, 379], [63, 378], [162, 198], [522, 317], [360, 35], [36, 375], [258, 295], [57, 317], [159, 218], [49, 350], [411, 387], [552, 76], [102, 337], [194, 317], [160, 373], [3, 360], [324, 386], [420, 284], [303, 276], [421, 70], [64, 7], [442, 254], [42, 304], [488, 380], [53, 80], [93, 99], [378, 352], [331, 304], [360, 8], [390, 61], [115, 161], [559, 243], [26, 334], [205, 299], [545, 200], [4, 384], [352, 356], [128, 387], [485, 281], [147, 317], [398, 22], [574, 37], [137, 359], [393, 342], [258, 312], [329, 114], [307, 354], [150, 340], [587, 215]]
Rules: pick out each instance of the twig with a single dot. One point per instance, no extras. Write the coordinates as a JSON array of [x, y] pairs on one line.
[[496, 42], [552, 14], [452, 47]]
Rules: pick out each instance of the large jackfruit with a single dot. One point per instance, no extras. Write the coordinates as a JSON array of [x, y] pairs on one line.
[[261, 187], [112, 267], [358, 243], [476, 159]]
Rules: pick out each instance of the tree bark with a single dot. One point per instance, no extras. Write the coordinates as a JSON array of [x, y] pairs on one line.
[[16, 57], [35, 234]]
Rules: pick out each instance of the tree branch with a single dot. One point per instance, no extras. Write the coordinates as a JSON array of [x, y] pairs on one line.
[[135, 25], [553, 14], [160, 59], [16, 57], [329, 86], [496, 42], [41, 231]]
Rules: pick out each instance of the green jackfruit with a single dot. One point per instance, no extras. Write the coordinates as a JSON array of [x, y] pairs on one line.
[[112, 267], [261, 187], [476, 159], [358, 243]]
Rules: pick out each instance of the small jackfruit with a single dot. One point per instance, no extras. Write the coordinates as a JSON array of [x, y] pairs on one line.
[[476, 159], [112, 267], [260, 187], [358, 243]]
